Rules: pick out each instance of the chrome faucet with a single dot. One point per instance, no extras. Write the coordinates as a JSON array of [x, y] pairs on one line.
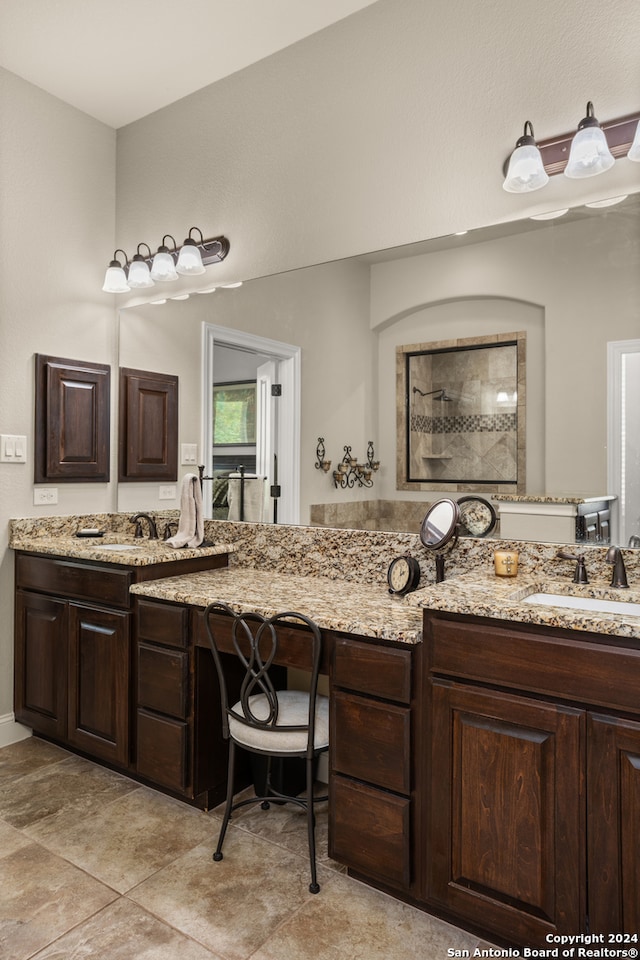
[[153, 530], [580, 572], [619, 575]]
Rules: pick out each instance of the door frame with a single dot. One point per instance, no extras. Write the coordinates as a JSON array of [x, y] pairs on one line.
[[288, 408], [616, 351]]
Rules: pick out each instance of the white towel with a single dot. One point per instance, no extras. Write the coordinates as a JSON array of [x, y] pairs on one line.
[[256, 501], [191, 527]]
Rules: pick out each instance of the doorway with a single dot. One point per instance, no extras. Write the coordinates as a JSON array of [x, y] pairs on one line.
[[623, 429], [231, 357]]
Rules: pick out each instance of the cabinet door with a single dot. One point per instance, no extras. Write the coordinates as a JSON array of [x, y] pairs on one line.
[[506, 812], [613, 777], [41, 663], [99, 682]]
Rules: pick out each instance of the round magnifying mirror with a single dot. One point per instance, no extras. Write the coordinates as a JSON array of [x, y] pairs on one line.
[[439, 525], [477, 517]]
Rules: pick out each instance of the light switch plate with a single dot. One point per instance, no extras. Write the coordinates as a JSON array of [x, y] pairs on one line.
[[189, 453], [167, 492], [13, 449]]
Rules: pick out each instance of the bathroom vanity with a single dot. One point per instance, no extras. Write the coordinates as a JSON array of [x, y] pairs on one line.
[[484, 757]]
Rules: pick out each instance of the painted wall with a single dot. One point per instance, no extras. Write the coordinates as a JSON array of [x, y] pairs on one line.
[[386, 128], [57, 170]]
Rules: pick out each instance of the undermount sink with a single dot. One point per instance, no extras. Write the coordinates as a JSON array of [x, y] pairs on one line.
[[626, 608], [115, 546]]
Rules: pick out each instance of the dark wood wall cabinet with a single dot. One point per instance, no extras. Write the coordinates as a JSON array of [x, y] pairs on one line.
[[532, 787], [72, 414], [148, 426]]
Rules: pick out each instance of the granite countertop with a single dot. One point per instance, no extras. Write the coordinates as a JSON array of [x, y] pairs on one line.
[[367, 610], [136, 553], [543, 498], [482, 594]]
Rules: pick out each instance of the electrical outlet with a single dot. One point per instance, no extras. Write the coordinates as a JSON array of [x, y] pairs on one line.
[[47, 495], [167, 493]]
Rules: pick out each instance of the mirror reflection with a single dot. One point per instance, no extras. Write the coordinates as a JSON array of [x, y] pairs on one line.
[[571, 284]]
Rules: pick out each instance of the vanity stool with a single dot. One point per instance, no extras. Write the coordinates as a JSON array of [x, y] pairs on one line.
[[273, 723]]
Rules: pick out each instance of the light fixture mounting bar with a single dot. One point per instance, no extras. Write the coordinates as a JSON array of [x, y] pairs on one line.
[[619, 134]]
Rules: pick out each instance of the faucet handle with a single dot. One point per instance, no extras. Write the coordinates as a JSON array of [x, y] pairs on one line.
[[619, 573], [580, 573]]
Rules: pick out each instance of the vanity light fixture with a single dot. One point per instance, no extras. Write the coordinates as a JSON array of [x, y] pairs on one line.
[[526, 170], [189, 259], [591, 150], [163, 267], [115, 279], [139, 276], [168, 264], [589, 154]]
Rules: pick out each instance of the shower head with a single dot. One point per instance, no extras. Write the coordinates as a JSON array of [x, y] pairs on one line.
[[440, 394]]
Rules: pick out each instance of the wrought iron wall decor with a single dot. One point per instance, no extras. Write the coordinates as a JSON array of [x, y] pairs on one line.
[[349, 471]]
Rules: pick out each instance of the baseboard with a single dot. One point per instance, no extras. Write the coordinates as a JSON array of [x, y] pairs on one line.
[[11, 731]]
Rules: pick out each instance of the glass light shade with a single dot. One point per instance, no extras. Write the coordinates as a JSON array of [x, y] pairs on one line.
[[163, 267], [189, 260], [634, 149], [115, 280], [526, 171], [139, 276], [589, 154]]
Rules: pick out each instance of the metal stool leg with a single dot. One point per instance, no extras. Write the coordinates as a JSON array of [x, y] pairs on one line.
[[314, 886], [229, 801]]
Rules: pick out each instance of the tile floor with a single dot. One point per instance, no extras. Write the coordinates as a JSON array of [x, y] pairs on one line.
[[94, 865]]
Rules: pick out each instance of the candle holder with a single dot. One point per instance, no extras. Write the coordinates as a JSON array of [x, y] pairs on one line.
[[321, 463]]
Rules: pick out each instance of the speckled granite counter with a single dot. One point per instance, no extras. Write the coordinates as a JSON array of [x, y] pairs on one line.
[[114, 549], [485, 595], [363, 609]]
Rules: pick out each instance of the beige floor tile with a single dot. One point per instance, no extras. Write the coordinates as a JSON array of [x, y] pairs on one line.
[[42, 897], [235, 905], [19, 759], [11, 839], [349, 919], [124, 931], [66, 790], [128, 839], [286, 825]]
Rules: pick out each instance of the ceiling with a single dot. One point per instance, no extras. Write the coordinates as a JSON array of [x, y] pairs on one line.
[[122, 59]]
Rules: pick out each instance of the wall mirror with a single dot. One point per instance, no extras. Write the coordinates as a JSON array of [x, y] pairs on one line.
[[349, 317]]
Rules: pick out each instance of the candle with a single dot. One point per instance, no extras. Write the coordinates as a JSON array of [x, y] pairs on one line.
[[506, 563]]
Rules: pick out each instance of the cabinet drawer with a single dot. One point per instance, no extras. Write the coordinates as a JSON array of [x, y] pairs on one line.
[[567, 664], [162, 754], [375, 669], [163, 680], [370, 831], [371, 741], [78, 581], [162, 623]]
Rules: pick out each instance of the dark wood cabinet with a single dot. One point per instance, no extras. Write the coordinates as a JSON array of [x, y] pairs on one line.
[[72, 418], [531, 793], [370, 768], [75, 669], [613, 825], [99, 676], [148, 426], [506, 812], [41, 663]]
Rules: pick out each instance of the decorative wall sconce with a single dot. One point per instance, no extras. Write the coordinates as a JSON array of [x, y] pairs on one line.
[[321, 463], [593, 149], [167, 265]]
